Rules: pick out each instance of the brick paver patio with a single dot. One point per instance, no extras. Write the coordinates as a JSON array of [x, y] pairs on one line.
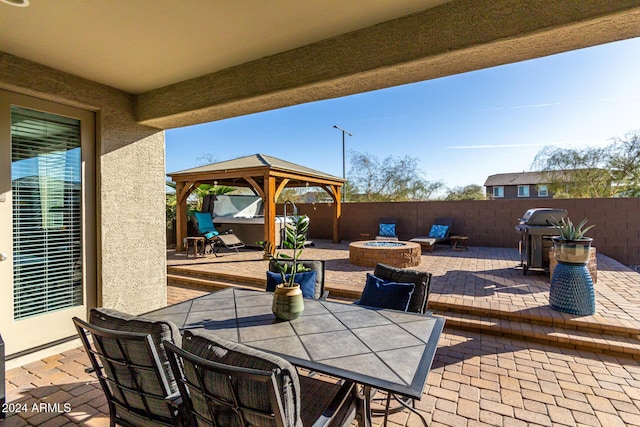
[[484, 373]]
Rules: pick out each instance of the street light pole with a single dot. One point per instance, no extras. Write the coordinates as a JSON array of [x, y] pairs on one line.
[[344, 156]]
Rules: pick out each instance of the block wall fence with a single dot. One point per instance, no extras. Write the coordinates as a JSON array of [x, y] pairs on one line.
[[489, 223]]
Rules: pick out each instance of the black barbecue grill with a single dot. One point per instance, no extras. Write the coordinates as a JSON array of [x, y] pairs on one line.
[[536, 227]]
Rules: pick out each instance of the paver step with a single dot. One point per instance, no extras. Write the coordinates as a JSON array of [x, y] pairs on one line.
[[217, 276], [589, 324], [208, 283], [465, 315], [602, 343], [219, 280], [214, 285]]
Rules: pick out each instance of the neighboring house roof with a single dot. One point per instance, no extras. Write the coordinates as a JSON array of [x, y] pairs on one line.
[[546, 177], [517, 178], [258, 161]]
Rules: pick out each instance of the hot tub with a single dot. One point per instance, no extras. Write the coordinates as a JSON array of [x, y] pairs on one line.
[[249, 229], [368, 253]]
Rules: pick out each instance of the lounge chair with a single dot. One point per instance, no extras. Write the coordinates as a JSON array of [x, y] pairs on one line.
[[229, 384], [439, 232], [215, 239], [387, 229]]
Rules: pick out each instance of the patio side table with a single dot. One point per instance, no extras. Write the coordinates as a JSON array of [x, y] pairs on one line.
[[459, 243], [194, 242]]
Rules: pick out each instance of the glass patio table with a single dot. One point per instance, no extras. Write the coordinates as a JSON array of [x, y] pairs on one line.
[[377, 348]]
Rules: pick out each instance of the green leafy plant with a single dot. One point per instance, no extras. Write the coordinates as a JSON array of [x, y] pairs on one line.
[[295, 237], [568, 231]]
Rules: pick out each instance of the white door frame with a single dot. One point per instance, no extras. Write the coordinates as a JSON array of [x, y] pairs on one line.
[[24, 335]]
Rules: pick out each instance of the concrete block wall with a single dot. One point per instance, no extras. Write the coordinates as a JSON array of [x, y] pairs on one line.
[[489, 223]]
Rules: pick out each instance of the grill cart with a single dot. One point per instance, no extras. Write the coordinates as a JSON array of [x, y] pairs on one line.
[[536, 227]]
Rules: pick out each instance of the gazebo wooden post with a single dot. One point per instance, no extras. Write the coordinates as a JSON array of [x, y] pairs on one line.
[[337, 207], [270, 209], [181, 216]]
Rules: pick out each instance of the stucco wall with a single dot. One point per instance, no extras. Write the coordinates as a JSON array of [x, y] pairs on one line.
[[489, 223], [130, 168]]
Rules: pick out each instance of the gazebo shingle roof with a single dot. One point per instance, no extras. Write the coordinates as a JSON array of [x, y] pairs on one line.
[[258, 161]]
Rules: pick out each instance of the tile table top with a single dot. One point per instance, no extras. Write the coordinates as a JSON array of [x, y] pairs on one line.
[[385, 349]]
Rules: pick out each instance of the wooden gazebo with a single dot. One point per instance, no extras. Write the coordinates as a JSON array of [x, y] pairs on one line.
[[266, 175]]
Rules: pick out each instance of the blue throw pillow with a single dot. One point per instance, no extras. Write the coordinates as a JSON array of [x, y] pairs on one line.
[[382, 294], [387, 230], [306, 280], [438, 231]]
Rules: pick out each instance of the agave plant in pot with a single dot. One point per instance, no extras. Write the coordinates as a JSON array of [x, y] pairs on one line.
[[571, 245], [288, 302], [571, 288]]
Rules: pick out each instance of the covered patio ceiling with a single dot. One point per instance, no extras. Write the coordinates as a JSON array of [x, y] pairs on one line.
[[196, 62], [267, 176]]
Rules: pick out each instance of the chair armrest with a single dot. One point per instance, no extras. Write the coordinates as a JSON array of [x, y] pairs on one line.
[[174, 400], [345, 393]]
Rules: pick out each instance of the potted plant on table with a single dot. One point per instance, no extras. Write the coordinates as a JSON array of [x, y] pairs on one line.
[[288, 302], [571, 245]]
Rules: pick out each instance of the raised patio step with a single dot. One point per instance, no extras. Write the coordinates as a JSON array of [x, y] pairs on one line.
[[577, 339], [559, 329], [219, 280], [548, 318], [217, 276]]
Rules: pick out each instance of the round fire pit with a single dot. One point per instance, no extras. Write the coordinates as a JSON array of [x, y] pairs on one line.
[[397, 254]]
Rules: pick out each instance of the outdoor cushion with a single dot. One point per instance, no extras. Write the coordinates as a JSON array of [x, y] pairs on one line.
[[438, 231], [387, 230], [380, 293], [251, 393], [421, 279], [158, 330], [312, 265], [205, 222], [210, 234], [306, 280]]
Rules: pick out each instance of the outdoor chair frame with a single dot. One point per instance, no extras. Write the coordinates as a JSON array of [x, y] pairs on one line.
[[206, 228], [119, 360], [417, 304], [216, 388]]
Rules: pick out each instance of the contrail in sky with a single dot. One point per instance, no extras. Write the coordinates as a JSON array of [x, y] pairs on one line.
[[463, 147]]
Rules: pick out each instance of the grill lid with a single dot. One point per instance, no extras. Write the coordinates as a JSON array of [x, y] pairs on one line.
[[543, 216]]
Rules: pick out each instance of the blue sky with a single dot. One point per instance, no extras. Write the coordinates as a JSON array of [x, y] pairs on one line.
[[461, 128]]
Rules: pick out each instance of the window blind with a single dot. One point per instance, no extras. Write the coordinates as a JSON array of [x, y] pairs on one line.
[[47, 215]]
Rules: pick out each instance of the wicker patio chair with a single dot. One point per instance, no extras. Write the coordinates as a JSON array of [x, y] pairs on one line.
[[229, 384], [127, 356], [313, 265], [416, 302]]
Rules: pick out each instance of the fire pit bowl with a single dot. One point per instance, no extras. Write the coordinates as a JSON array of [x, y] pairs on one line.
[[368, 253]]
